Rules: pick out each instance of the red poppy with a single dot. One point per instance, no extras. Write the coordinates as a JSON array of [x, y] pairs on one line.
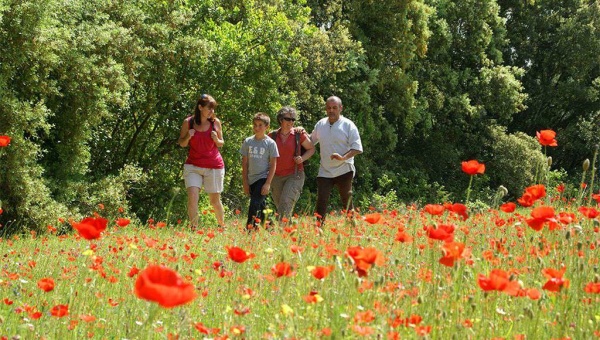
[[508, 207], [364, 317], [403, 237], [473, 167], [372, 218], [4, 141], [593, 288], [60, 311], [205, 330], [312, 297], [560, 188], [444, 232], [87, 318], [536, 191], [91, 227], [164, 286], [526, 200], [133, 271], [532, 194], [452, 252], [296, 249], [566, 218], [555, 279], [434, 209], [364, 258], [238, 255], [282, 269], [321, 272], [46, 284], [589, 212], [533, 294], [423, 330], [460, 209], [498, 280], [546, 137], [541, 215], [122, 222]]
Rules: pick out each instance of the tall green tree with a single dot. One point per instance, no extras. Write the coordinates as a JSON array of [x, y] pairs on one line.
[[557, 43], [379, 94], [464, 90]]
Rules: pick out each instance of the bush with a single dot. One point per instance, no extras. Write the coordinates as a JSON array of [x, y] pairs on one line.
[[515, 161]]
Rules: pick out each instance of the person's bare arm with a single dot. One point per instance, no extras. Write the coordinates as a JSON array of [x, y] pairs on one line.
[[185, 134], [346, 156], [245, 175], [272, 167], [217, 134]]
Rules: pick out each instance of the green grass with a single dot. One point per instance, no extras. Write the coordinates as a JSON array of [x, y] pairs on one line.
[[245, 300]]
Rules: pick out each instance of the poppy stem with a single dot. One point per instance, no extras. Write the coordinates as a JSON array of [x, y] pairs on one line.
[[589, 201], [153, 313], [469, 189]]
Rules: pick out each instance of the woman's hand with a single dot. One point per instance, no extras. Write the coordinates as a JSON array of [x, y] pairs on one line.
[[214, 136], [192, 132], [298, 159]]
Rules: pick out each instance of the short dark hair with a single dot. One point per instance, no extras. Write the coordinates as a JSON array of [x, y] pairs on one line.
[[263, 117], [286, 110]]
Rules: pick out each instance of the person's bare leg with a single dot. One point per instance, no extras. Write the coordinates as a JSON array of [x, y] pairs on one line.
[[215, 201], [192, 205]]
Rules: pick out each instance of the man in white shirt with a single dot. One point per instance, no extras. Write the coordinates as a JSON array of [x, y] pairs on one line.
[[339, 141]]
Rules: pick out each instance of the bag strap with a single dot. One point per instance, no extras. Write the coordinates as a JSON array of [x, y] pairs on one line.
[[273, 135], [298, 150]]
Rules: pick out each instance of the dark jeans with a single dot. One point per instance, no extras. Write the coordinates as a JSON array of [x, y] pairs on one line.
[[324, 186], [258, 203]]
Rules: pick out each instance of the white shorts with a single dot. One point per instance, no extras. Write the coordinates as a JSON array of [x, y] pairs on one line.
[[212, 179]]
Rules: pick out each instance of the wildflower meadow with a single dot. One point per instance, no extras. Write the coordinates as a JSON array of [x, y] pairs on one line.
[[521, 270]]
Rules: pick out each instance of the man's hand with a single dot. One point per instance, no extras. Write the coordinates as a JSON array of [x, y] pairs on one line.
[[246, 189], [337, 156], [299, 130]]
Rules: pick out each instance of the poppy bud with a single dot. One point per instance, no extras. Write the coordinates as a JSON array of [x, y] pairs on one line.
[[502, 189], [579, 245], [568, 235], [549, 161], [586, 164]]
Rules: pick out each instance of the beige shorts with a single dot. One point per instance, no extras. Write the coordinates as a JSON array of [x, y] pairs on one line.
[[211, 179]]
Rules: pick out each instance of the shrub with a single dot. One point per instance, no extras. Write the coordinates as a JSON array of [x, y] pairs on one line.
[[516, 160]]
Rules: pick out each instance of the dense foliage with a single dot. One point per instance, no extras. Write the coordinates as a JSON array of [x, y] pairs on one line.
[[93, 94]]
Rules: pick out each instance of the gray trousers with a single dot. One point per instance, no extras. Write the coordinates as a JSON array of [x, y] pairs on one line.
[[285, 191]]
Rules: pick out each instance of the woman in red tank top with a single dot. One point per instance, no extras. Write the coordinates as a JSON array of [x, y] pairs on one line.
[[204, 165]]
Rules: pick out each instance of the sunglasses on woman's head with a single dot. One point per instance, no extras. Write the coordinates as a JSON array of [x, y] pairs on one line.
[[288, 119]]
